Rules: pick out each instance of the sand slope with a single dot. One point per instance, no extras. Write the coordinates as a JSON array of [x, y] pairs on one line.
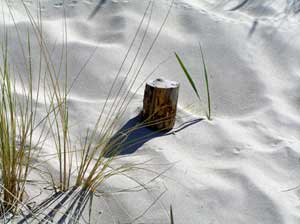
[[243, 167]]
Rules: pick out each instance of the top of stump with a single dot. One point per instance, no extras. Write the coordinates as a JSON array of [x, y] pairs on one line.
[[163, 83]]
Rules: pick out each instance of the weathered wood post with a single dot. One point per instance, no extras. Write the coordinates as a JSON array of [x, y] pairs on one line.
[[160, 104]]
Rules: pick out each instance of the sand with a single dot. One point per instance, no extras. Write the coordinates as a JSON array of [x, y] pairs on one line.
[[243, 167]]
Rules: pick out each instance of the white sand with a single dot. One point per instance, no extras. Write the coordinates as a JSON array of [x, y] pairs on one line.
[[237, 168]]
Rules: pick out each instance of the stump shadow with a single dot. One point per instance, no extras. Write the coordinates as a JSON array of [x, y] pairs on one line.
[[127, 142]]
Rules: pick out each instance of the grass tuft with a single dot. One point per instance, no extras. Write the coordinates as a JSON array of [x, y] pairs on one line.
[[192, 83], [76, 181], [17, 122]]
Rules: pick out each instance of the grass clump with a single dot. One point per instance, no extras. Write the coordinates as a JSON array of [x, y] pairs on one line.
[[192, 83], [17, 125], [12, 153], [81, 170]]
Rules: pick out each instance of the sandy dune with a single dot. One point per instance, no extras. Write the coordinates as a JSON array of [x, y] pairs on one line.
[[243, 167]]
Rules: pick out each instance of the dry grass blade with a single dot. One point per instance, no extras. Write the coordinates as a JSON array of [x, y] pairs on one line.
[[18, 126], [17, 117], [89, 151], [149, 207], [97, 173]]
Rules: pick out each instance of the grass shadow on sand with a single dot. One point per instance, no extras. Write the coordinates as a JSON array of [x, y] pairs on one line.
[[97, 8], [70, 206], [61, 207]]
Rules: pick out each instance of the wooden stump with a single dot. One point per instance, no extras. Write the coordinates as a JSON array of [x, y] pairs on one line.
[[160, 104]]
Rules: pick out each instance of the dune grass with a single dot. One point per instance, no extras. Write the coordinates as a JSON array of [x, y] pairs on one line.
[[77, 180], [59, 123], [101, 169], [22, 135], [13, 153], [192, 82], [17, 123]]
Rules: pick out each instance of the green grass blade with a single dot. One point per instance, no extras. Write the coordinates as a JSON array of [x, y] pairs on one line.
[[206, 84], [188, 76]]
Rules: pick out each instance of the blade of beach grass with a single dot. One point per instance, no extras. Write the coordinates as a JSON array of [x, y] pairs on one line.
[[101, 161], [144, 81], [58, 119], [58, 95], [20, 203], [119, 112], [16, 158], [188, 76], [89, 152], [149, 207], [28, 113], [141, 186], [86, 158], [61, 114], [100, 168], [208, 113], [118, 99], [192, 83], [123, 106], [16, 137]]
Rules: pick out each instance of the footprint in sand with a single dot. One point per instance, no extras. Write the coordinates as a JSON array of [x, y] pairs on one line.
[[106, 25], [58, 5], [73, 3], [88, 2]]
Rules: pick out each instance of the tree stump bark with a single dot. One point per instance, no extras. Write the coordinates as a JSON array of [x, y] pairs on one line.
[[160, 104]]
